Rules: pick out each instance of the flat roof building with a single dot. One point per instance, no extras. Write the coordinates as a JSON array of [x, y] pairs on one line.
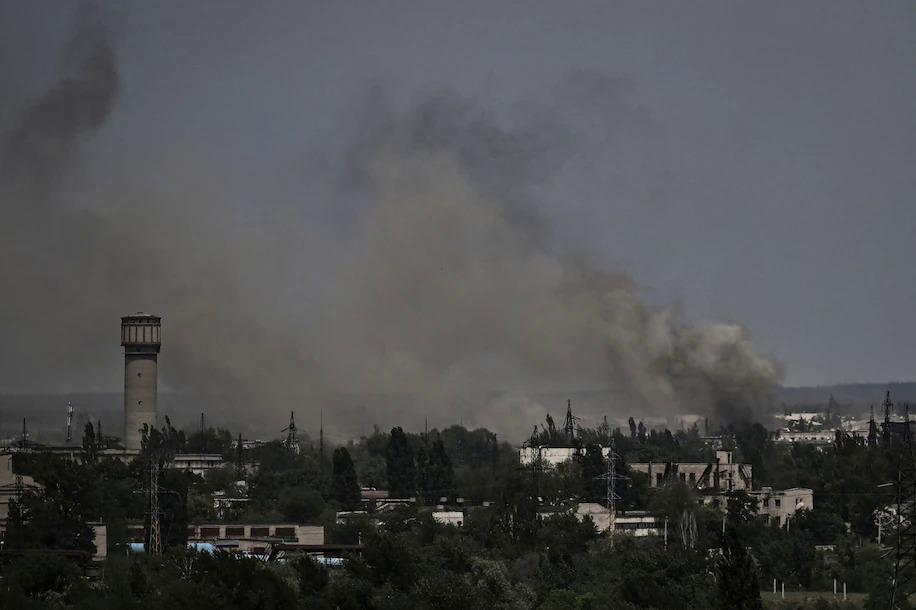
[[720, 475]]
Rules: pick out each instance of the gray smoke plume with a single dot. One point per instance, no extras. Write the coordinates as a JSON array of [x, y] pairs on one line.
[[417, 263]]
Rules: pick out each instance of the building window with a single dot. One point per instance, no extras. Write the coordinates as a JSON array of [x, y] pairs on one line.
[[658, 479], [693, 478], [778, 503], [766, 503], [683, 477]]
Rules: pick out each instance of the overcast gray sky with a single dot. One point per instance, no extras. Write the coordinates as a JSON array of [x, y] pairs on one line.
[[763, 173]]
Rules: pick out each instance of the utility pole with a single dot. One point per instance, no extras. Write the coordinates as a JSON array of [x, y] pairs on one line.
[[202, 427]]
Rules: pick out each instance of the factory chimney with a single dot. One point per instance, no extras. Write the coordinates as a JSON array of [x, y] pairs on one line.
[[141, 341]]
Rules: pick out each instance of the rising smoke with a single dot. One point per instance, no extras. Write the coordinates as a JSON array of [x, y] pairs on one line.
[[430, 272]]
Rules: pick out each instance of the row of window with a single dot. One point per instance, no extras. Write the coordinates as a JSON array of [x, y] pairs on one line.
[[137, 533]]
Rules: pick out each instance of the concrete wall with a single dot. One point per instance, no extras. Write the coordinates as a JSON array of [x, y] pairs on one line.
[[551, 456], [711, 475], [779, 506], [140, 396], [599, 514], [449, 517]]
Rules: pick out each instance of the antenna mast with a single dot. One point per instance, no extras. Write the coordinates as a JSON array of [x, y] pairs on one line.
[[69, 422]]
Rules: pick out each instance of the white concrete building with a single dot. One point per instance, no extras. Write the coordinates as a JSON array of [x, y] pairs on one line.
[[821, 438], [551, 457], [638, 523], [600, 515], [449, 517], [779, 506]]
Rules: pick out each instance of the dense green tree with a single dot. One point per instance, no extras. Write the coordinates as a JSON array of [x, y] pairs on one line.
[[401, 470], [42, 580], [90, 445], [423, 475], [594, 471], [211, 441], [441, 474], [739, 587], [344, 486]]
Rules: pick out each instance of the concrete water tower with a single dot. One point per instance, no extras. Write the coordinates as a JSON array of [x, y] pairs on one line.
[[140, 337]]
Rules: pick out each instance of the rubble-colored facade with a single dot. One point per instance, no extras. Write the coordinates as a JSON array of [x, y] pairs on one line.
[[721, 475]]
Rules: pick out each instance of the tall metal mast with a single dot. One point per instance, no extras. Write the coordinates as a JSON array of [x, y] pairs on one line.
[[155, 527], [292, 439], [69, 422], [905, 546], [568, 425], [612, 477]]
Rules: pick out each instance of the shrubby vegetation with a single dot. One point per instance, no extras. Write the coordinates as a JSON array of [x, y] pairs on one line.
[[510, 554]]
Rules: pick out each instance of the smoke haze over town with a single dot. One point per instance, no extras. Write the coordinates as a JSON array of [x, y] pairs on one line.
[[314, 217]]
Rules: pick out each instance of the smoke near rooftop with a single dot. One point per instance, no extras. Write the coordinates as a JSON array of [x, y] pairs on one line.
[[416, 260]]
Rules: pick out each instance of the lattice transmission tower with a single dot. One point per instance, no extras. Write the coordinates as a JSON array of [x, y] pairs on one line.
[[155, 511], [905, 543]]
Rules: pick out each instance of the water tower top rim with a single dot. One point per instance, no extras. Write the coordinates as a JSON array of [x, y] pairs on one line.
[[141, 316]]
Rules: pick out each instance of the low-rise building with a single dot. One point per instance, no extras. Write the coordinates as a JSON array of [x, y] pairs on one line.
[[638, 523], [600, 515], [820, 438], [722, 475], [550, 457], [198, 463], [449, 517], [99, 533], [9, 488], [778, 506], [252, 538]]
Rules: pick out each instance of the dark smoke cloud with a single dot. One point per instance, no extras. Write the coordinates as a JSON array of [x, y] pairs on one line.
[[78, 103], [424, 269]]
